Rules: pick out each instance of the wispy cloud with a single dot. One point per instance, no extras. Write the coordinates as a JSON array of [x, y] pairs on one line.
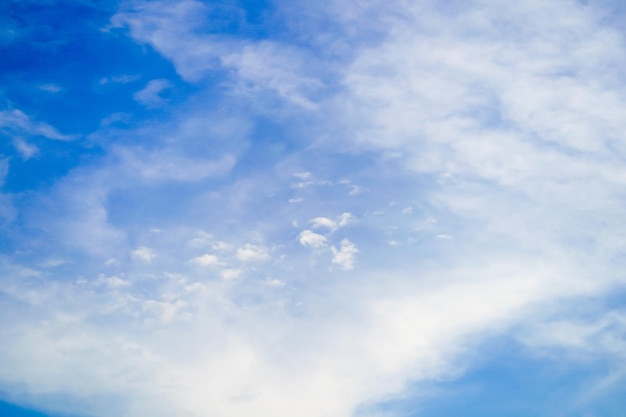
[[4, 169], [168, 165], [151, 94], [50, 88], [25, 149], [181, 32], [16, 122], [311, 239]]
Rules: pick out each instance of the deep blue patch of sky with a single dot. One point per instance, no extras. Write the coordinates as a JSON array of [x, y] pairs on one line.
[[62, 67]]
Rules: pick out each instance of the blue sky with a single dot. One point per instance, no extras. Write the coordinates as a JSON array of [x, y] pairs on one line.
[[336, 208]]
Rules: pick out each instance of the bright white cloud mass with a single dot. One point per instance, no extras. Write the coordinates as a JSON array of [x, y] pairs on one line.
[[330, 209]]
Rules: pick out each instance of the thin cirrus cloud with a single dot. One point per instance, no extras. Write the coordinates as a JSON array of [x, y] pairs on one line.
[[152, 94], [16, 122], [487, 144]]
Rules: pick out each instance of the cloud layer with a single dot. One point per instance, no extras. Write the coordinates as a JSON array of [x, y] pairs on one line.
[[316, 210]]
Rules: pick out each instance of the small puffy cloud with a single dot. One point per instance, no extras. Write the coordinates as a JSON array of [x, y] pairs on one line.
[[325, 222], [150, 96], [311, 239], [117, 282], [113, 282], [320, 222], [143, 253], [252, 253], [206, 260], [229, 274], [344, 256]]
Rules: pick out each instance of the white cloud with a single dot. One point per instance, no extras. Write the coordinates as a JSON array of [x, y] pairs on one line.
[[344, 219], [206, 260], [151, 94], [169, 165], [201, 240], [311, 239], [303, 175], [278, 68], [222, 246], [381, 339], [169, 28], [252, 253], [111, 262], [143, 253], [344, 256], [504, 121], [165, 311], [52, 263], [25, 149], [354, 189], [333, 225], [273, 282], [50, 88], [323, 222], [74, 214], [16, 122], [230, 273], [260, 67], [115, 118], [114, 282], [120, 79], [4, 169]]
